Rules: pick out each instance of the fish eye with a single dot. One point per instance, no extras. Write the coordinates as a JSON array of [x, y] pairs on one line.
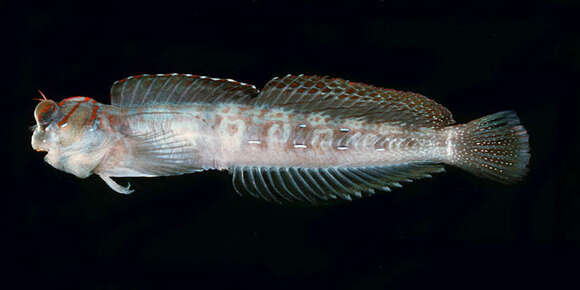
[[44, 112]]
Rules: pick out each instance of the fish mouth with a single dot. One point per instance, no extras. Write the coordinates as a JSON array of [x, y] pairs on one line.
[[39, 148]]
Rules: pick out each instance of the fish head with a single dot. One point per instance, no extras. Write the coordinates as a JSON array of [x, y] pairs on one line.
[[63, 132]]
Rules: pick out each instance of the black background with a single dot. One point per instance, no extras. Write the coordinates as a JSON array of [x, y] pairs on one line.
[[454, 230]]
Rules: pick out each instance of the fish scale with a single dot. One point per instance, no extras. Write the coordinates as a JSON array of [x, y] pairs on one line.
[[311, 139]]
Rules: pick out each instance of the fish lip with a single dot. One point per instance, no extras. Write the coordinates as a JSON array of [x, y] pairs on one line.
[[40, 149]]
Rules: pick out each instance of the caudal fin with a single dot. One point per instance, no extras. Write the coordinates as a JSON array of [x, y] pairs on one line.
[[495, 147]]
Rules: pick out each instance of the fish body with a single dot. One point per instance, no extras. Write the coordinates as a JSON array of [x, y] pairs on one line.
[[302, 138]]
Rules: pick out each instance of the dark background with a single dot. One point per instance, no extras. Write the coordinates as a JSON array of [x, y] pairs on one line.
[[454, 230]]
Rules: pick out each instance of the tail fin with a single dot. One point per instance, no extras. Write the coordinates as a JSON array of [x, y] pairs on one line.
[[495, 147]]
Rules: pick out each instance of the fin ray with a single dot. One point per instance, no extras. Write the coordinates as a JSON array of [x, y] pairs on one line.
[[146, 89], [296, 177], [341, 98], [320, 193], [273, 184], [315, 185], [265, 185], [495, 146], [160, 153]]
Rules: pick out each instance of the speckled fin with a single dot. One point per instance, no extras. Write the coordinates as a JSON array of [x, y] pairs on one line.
[[345, 99], [495, 146], [321, 185], [143, 90], [161, 153]]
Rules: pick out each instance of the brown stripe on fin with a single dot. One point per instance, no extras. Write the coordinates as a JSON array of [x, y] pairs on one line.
[[341, 98], [322, 185], [142, 90]]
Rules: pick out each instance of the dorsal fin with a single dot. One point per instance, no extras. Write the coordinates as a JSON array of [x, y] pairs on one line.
[[320, 185], [140, 90], [341, 98]]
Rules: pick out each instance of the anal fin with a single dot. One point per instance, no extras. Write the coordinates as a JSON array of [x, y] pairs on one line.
[[322, 185]]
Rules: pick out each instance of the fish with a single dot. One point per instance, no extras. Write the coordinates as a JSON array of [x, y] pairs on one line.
[[301, 139]]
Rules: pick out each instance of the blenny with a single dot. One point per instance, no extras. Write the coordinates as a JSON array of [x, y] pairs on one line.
[[301, 138]]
